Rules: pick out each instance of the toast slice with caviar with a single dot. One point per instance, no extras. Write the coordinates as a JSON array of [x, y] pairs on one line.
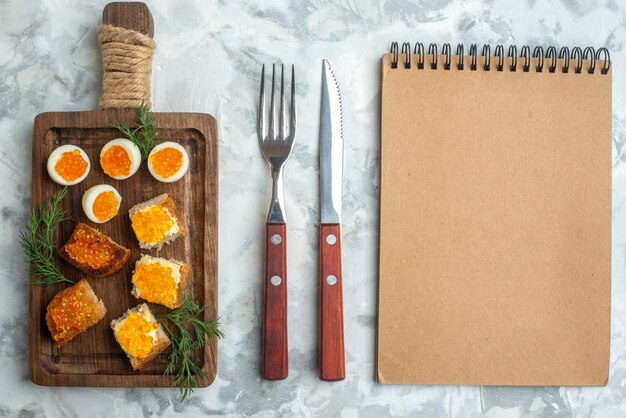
[[140, 335], [157, 222], [93, 252], [72, 311], [159, 280]]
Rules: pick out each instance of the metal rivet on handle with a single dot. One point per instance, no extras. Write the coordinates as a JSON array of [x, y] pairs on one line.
[[275, 280], [331, 280], [276, 239], [331, 239]]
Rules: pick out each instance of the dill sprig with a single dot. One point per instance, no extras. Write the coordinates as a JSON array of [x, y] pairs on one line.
[[38, 240], [144, 134], [187, 331]]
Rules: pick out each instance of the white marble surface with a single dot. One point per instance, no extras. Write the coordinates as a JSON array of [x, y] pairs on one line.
[[208, 60]]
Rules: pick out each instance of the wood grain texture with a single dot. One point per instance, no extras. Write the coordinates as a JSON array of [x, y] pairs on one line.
[[332, 358], [275, 345], [94, 358], [129, 15]]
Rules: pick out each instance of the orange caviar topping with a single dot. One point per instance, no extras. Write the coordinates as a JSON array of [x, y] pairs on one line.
[[105, 206], [152, 224], [71, 165], [133, 335], [166, 162], [71, 310], [115, 161], [86, 246], [155, 284]]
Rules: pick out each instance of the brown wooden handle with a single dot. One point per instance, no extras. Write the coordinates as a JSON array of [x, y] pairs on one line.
[[129, 15], [332, 358], [275, 348]]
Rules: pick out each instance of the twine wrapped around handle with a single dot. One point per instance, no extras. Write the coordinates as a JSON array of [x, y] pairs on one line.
[[127, 64]]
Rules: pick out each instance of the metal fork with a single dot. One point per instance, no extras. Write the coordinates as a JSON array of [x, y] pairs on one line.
[[276, 150]]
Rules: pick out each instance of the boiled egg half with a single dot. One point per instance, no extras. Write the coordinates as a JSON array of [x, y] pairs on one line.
[[120, 158], [168, 162], [101, 203], [68, 165]]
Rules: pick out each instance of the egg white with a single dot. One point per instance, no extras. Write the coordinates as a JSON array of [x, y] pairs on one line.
[[90, 197], [54, 158], [183, 167], [133, 152]]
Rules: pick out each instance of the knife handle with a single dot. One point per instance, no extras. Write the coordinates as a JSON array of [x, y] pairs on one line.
[[275, 350], [332, 358]]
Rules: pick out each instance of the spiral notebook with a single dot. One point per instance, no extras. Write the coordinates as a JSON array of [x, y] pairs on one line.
[[495, 216]]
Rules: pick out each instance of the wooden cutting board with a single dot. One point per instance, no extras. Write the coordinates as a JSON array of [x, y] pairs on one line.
[[94, 358]]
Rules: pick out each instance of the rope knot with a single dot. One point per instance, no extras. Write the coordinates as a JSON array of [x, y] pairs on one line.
[[127, 64]]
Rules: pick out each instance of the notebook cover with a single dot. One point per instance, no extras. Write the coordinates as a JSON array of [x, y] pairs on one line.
[[495, 228]]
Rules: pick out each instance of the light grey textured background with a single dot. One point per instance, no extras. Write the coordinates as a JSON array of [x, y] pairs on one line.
[[208, 60]]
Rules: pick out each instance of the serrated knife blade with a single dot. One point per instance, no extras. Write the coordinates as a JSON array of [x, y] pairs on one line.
[[332, 358], [331, 148]]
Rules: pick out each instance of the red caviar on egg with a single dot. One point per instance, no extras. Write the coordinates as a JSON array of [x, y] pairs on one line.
[[168, 162], [68, 165], [120, 158], [101, 203]]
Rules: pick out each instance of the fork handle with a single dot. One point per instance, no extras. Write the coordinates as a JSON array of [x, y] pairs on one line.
[[332, 359], [275, 348]]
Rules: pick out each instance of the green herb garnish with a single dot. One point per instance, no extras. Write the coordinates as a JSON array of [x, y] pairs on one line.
[[186, 331], [38, 240], [144, 134]]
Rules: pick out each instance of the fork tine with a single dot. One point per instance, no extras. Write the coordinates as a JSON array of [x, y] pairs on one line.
[[261, 115], [272, 134], [282, 103], [292, 128]]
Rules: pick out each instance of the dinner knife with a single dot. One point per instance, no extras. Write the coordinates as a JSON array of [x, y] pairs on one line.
[[331, 355]]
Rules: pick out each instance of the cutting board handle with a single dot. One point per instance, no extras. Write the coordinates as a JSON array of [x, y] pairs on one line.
[[128, 70], [133, 15]]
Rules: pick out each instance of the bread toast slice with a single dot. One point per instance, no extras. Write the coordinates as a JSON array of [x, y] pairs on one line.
[[140, 346], [157, 222], [93, 253], [159, 280], [72, 311]]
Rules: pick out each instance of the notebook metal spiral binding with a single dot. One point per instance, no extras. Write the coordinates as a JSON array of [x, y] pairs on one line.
[[473, 53], [419, 50], [513, 55], [445, 50], [526, 55], [564, 55], [549, 55], [486, 57], [499, 52], [432, 50], [538, 53]]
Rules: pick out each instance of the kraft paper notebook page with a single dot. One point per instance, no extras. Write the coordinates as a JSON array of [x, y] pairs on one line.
[[495, 229]]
